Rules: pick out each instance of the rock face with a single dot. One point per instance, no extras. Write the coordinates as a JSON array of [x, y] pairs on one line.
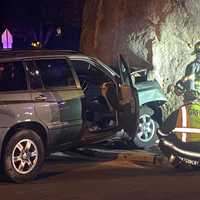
[[155, 34]]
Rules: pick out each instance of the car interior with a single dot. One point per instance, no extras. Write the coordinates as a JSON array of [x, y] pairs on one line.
[[100, 97]]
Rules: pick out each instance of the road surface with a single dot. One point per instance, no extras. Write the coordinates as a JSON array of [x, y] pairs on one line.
[[64, 178]]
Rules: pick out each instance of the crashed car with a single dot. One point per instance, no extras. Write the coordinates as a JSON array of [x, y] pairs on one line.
[[54, 100], [151, 99]]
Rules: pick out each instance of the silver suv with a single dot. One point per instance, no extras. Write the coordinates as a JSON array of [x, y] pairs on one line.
[[53, 100]]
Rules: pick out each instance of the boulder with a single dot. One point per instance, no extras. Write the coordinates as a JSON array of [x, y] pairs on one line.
[[155, 34]]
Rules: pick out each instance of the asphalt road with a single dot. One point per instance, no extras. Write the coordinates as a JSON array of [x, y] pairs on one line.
[[66, 178]]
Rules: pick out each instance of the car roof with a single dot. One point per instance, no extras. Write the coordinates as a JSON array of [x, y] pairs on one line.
[[22, 54], [17, 55]]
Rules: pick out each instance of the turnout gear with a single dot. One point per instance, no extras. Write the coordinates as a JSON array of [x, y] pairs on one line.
[[188, 123], [189, 95], [180, 134], [190, 83], [192, 76], [181, 143]]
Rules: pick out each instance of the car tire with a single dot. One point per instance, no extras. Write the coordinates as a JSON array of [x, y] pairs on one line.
[[23, 156], [146, 134]]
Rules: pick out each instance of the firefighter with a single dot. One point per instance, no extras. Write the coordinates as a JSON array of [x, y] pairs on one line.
[[188, 86], [180, 133]]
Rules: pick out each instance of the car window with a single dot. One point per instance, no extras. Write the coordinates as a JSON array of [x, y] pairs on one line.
[[89, 71], [34, 75], [12, 76], [54, 73]]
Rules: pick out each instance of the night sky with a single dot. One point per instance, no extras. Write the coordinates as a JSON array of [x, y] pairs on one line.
[[38, 19]]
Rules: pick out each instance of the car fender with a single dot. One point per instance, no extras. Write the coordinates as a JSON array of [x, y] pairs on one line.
[[16, 115], [150, 91]]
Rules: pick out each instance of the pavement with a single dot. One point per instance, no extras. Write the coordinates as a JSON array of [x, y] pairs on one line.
[[103, 174], [151, 157]]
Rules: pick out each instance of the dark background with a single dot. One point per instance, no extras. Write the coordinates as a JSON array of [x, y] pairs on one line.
[[37, 20]]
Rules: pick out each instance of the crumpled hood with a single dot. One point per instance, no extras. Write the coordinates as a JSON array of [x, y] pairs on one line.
[[150, 91]]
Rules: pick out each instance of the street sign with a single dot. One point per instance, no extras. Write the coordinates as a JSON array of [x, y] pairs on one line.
[[7, 39]]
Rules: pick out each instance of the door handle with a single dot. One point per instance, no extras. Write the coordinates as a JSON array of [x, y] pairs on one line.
[[41, 98]]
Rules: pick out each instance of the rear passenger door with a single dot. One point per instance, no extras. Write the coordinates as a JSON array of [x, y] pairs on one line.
[[57, 97]]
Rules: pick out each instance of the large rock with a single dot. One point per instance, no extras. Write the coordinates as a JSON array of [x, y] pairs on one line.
[[156, 34]]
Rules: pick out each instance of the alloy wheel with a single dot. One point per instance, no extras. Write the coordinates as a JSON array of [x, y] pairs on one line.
[[24, 156], [146, 128]]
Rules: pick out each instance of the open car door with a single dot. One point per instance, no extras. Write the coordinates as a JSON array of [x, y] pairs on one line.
[[128, 111]]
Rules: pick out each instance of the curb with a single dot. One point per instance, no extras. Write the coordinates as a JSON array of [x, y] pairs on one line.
[[139, 157], [135, 156]]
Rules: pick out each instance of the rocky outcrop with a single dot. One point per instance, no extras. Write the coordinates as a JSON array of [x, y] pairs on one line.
[[155, 34]]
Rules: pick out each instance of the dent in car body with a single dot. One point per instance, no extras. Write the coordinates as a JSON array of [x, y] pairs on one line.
[[150, 91]]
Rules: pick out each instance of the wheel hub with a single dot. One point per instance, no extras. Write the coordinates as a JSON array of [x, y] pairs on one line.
[[24, 156], [146, 128]]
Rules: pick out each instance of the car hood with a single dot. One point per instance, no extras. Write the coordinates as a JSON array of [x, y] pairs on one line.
[[150, 91]]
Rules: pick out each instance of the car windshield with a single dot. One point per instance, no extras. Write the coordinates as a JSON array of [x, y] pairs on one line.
[[110, 69]]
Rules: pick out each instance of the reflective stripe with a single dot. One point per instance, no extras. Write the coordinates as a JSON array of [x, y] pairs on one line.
[[186, 130], [184, 152], [184, 122], [162, 134]]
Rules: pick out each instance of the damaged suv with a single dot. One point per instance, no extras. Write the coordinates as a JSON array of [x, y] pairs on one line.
[[54, 100]]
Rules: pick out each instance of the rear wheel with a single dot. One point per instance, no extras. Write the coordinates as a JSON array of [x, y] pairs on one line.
[[146, 134], [23, 156]]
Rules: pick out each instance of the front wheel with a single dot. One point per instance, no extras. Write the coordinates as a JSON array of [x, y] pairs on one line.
[[146, 134], [23, 156]]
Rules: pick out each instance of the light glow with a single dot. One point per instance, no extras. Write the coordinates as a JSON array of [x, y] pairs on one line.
[[7, 39]]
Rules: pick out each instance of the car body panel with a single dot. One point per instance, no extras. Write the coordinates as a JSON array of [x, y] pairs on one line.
[[130, 111], [60, 112], [150, 91], [15, 108]]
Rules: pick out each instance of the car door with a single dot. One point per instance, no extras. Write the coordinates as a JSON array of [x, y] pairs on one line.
[[128, 111], [57, 98], [90, 74], [121, 95]]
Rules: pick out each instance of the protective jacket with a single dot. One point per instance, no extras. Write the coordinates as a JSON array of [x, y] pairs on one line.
[[193, 69], [181, 143], [188, 123]]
